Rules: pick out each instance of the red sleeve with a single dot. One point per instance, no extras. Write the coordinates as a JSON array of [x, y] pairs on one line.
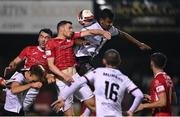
[[23, 53], [49, 49], [159, 84], [76, 35]]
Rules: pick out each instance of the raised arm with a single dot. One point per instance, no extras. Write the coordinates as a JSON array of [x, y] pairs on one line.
[[105, 34], [12, 66], [141, 45]]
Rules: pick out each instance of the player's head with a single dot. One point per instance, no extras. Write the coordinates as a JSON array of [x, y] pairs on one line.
[[44, 35], [106, 19], [85, 17], [158, 60], [35, 73], [111, 58], [65, 28]]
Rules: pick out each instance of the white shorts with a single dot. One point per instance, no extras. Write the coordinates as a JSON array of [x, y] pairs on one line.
[[62, 84], [84, 93]]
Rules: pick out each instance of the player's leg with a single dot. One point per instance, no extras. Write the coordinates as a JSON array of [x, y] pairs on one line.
[[84, 94], [67, 109]]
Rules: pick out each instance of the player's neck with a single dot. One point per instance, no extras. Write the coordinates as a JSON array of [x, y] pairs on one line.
[[61, 36], [109, 66], [156, 71]]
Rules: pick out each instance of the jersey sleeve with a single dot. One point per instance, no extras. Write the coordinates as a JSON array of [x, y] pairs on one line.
[[49, 49], [159, 85], [23, 53], [130, 85], [76, 35], [17, 77], [114, 31], [90, 77]]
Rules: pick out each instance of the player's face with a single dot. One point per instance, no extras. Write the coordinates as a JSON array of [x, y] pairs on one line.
[[43, 38], [31, 77], [68, 30], [106, 23]]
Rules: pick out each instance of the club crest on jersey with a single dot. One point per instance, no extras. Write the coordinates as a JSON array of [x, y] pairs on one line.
[[48, 52]]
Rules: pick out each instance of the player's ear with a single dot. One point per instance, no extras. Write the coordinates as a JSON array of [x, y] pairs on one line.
[[104, 61], [101, 20]]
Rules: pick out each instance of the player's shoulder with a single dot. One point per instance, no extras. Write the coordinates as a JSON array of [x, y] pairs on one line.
[[160, 76], [17, 76], [30, 48]]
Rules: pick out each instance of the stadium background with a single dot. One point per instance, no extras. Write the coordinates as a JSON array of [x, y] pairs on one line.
[[154, 22]]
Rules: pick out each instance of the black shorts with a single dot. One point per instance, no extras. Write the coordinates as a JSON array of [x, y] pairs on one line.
[[83, 65]]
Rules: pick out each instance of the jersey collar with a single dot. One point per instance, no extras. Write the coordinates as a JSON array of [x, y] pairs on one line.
[[159, 73], [40, 49]]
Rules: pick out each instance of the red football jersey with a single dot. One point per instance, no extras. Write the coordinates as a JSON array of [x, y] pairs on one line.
[[161, 83], [62, 51], [34, 55]]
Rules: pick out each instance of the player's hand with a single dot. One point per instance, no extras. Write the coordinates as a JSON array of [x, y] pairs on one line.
[[86, 43], [50, 78], [139, 108], [58, 105], [143, 46], [36, 85], [147, 97], [68, 78], [107, 35], [129, 113], [2, 82]]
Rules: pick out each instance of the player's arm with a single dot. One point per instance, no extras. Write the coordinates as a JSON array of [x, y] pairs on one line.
[[159, 103], [56, 71], [16, 87], [105, 34], [131, 39], [137, 100], [12, 66], [81, 41]]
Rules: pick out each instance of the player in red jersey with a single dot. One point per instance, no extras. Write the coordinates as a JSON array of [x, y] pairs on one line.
[[162, 91], [61, 57], [32, 55]]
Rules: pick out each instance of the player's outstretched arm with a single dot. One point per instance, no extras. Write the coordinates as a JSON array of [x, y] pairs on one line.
[[105, 34], [12, 66], [141, 45]]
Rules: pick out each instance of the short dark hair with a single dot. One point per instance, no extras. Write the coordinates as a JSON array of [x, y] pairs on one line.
[[63, 22], [39, 71], [159, 60], [106, 13], [112, 57], [46, 30]]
